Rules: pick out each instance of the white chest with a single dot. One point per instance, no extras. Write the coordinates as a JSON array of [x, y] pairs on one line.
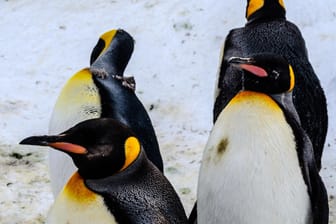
[[78, 205], [70, 212], [250, 171]]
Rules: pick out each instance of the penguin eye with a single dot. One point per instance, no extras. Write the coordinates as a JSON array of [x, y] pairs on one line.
[[275, 74]]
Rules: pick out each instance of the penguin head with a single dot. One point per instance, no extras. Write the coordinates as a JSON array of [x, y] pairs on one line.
[[266, 73], [112, 52], [264, 10], [85, 93], [99, 147]]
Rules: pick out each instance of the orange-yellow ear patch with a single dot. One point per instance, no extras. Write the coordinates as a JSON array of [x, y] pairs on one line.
[[132, 151], [107, 38], [281, 2], [253, 6], [292, 78], [76, 189]]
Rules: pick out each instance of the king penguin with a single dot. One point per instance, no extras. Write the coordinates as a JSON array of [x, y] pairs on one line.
[[268, 31], [259, 155], [114, 183], [101, 91]]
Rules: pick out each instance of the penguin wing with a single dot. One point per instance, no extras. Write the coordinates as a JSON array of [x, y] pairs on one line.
[[316, 189], [193, 215]]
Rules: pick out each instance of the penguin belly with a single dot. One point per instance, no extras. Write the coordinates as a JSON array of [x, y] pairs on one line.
[[79, 100], [78, 205], [250, 171]]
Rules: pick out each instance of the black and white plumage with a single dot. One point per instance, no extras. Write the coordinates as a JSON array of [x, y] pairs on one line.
[[258, 165], [115, 181], [101, 91], [268, 31]]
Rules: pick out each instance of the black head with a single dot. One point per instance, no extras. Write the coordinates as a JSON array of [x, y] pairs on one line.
[[261, 10], [112, 52], [266, 73], [99, 147]]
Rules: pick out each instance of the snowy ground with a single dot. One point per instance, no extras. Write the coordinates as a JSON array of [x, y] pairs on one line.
[[175, 62]]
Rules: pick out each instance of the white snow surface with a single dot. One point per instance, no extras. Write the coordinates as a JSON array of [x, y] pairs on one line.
[[175, 61]]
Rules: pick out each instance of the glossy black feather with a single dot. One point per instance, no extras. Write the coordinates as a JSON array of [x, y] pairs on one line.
[[155, 202]]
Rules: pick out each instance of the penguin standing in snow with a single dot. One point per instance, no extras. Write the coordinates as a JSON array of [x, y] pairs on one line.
[[101, 91], [258, 153], [115, 182], [268, 31]]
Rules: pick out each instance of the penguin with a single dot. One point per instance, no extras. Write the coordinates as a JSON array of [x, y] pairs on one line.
[[259, 154], [101, 91], [115, 182], [268, 31]]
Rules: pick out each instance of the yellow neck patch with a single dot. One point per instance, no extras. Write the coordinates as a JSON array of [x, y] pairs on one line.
[[254, 98], [253, 6], [132, 151], [79, 100], [77, 191], [107, 38], [292, 78], [79, 90]]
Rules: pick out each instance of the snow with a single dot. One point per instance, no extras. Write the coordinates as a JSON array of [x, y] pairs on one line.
[[178, 44]]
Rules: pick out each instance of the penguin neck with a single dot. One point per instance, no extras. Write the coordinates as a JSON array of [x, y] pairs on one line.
[[285, 101], [114, 60], [269, 10], [112, 92], [135, 171], [264, 19], [76, 189], [106, 65]]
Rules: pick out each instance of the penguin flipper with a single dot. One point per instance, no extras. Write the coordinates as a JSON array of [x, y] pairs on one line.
[[193, 215], [319, 197], [316, 189]]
